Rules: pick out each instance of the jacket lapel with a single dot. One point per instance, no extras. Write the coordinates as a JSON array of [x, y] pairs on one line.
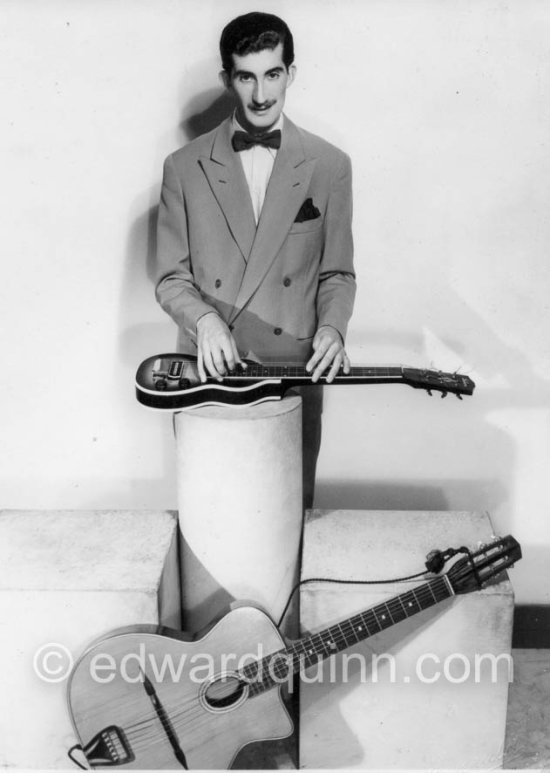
[[225, 174], [285, 193]]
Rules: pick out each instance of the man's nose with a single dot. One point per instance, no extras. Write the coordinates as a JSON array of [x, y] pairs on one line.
[[259, 93]]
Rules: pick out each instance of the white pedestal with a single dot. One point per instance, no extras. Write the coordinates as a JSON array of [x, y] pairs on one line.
[[416, 707], [67, 578], [240, 507]]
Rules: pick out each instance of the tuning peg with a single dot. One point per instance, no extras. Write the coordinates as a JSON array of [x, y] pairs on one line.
[[429, 391], [459, 396], [443, 394]]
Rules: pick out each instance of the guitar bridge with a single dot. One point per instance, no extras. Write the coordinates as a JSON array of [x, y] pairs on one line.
[[109, 747]]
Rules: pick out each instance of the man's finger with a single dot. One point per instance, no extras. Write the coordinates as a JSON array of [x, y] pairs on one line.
[[210, 365], [320, 360], [318, 354], [236, 355], [228, 351], [200, 366], [335, 367], [219, 362], [347, 363], [325, 362], [311, 363]]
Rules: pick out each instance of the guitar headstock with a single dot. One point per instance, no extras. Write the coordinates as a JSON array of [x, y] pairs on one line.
[[438, 381], [474, 571]]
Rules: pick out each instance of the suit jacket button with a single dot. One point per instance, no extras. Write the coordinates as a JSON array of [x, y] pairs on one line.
[[218, 283], [287, 281], [277, 331]]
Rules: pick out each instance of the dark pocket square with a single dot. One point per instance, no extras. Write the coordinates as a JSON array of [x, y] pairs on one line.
[[308, 211]]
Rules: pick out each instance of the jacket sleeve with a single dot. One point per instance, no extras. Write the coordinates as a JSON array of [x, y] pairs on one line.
[[336, 291], [176, 290]]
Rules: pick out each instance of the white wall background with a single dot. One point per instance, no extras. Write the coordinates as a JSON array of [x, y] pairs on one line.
[[443, 106]]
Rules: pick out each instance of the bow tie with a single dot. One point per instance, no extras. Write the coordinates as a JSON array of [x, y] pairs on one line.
[[244, 141]]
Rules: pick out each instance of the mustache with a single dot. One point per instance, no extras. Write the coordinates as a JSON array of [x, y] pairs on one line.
[[258, 105]]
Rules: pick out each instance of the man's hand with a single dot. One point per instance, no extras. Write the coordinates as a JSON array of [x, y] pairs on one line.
[[328, 351], [217, 351]]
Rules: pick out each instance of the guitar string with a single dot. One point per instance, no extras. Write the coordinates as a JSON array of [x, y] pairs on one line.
[[278, 368], [282, 371], [334, 639], [281, 367], [284, 670], [394, 606], [396, 601], [150, 739], [291, 658]]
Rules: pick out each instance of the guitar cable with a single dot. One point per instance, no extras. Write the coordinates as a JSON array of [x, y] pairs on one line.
[[435, 561], [70, 755]]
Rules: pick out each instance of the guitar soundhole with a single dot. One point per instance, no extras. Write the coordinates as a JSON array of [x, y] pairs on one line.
[[225, 692]]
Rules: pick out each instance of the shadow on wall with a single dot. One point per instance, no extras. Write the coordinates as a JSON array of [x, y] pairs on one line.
[[444, 324], [143, 327], [399, 495], [203, 113]]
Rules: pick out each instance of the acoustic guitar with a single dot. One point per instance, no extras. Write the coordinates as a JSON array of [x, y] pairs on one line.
[[150, 697], [171, 382]]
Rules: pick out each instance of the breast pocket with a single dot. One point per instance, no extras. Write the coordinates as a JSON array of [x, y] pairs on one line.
[[306, 226]]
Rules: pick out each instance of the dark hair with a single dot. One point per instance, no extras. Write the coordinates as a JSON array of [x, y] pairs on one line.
[[254, 32]]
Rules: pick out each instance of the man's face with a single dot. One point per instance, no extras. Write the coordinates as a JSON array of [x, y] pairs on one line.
[[259, 82]]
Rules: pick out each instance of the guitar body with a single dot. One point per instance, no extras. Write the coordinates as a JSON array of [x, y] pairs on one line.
[[195, 718], [171, 382]]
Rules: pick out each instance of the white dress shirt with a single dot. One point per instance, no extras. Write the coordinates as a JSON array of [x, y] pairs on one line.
[[257, 164]]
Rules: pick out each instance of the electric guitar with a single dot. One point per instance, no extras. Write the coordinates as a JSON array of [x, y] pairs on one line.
[[171, 382], [150, 697]]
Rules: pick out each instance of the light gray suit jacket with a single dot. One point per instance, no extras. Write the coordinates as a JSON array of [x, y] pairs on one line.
[[273, 284]]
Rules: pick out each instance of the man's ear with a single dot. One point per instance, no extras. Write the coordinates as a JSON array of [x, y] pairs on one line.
[[225, 79], [291, 75]]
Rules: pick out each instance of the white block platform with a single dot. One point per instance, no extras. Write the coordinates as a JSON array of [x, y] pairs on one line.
[[239, 473], [65, 579], [417, 708]]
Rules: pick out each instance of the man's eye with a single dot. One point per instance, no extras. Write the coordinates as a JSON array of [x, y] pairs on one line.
[[274, 75], [244, 78]]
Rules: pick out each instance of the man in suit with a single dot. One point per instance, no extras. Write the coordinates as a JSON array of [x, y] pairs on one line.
[[254, 232]]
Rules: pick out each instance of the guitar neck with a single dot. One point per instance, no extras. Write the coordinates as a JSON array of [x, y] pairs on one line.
[[306, 652]]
